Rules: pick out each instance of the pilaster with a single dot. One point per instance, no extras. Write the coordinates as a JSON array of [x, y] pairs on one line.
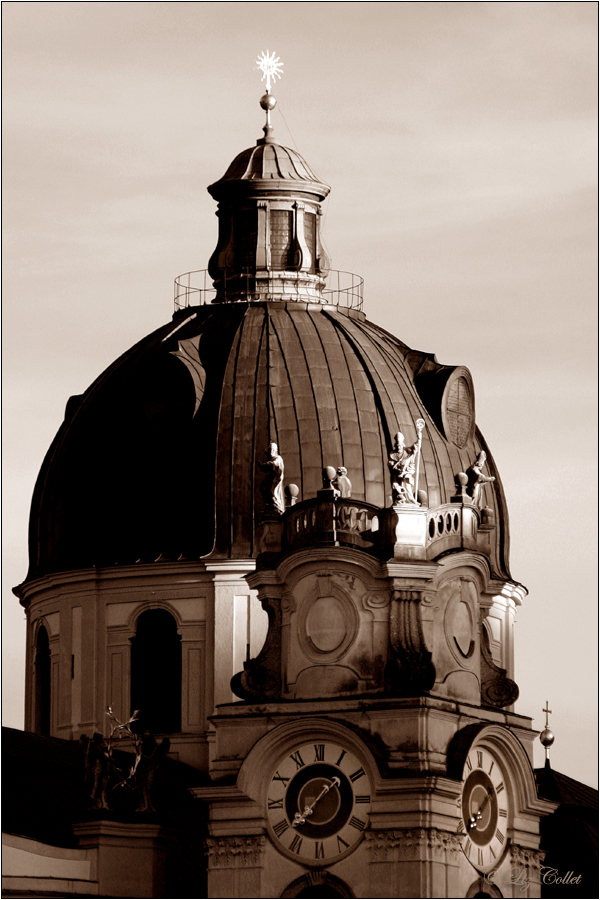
[[414, 862]]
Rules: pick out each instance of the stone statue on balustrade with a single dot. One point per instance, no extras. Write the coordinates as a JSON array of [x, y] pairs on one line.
[[272, 485], [477, 479], [342, 483], [402, 463]]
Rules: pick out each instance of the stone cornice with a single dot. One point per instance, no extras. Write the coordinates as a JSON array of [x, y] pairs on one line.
[[224, 792], [419, 571], [120, 577], [226, 568]]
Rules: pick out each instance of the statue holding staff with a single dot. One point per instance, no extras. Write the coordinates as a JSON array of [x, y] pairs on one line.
[[419, 425], [403, 464]]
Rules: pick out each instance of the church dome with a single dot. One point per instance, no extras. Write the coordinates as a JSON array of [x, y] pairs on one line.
[[159, 459]]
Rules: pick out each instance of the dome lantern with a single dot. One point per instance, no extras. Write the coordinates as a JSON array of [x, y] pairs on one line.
[[269, 245]]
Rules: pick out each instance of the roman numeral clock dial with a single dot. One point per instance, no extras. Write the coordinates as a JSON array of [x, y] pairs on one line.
[[485, 811], [318, 802]]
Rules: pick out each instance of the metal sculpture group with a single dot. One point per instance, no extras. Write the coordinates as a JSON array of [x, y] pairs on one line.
[[103, 772]]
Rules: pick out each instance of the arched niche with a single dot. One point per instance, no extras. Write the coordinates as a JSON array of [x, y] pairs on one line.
[[156, 672]]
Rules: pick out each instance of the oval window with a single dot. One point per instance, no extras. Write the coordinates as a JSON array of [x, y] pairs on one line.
[[458, 408]]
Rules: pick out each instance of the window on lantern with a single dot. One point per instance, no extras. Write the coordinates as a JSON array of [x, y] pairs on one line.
[[310, 236], [156, 672], [245, 230], [281, 239]]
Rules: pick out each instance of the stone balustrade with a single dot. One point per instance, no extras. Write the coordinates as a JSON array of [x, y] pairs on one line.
[[401, 532]]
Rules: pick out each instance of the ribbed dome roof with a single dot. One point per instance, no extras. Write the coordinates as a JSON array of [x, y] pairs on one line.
[[159, 458], [270, 162]]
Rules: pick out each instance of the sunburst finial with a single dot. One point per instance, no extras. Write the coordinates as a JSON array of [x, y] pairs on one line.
[[270, 66]]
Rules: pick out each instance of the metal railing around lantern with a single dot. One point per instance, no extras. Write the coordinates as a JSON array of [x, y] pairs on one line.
[[196, 288]]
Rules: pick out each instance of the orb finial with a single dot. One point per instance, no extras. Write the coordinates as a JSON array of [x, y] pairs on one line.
[[271, 68], [546, 737]]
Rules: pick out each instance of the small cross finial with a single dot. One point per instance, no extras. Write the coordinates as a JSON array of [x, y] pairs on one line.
[[546, 737], [548, 712]]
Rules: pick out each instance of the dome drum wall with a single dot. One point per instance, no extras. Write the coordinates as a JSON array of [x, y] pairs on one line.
[[94, 619]]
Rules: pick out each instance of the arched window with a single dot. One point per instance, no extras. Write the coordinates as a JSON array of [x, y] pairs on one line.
[[327, 886], [156, 672], [42, 682]]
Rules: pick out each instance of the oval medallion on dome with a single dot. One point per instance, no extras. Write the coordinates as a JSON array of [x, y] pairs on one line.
[[458, 408], [326, 625]]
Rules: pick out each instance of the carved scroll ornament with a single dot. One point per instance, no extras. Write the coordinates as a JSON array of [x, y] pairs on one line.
[[410, 669], [261, 677], [496, 689]]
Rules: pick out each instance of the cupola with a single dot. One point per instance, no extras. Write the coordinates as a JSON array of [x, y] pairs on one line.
[[269, 245]]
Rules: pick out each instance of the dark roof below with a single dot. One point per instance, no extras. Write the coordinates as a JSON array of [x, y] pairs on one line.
[[44, 792], [42, 787], [569, 837], [560, 788]]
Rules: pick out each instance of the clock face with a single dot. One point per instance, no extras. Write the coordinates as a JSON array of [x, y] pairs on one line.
[[484, 807], [318, 802]]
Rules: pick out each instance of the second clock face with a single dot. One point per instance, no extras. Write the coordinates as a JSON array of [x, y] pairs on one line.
[[484, 807], [318, 802]]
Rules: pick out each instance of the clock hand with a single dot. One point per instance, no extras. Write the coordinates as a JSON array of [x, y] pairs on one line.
[[300, 818], [475, 818]]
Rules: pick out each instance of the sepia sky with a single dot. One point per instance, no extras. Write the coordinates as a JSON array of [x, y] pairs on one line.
[[459, 142]]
